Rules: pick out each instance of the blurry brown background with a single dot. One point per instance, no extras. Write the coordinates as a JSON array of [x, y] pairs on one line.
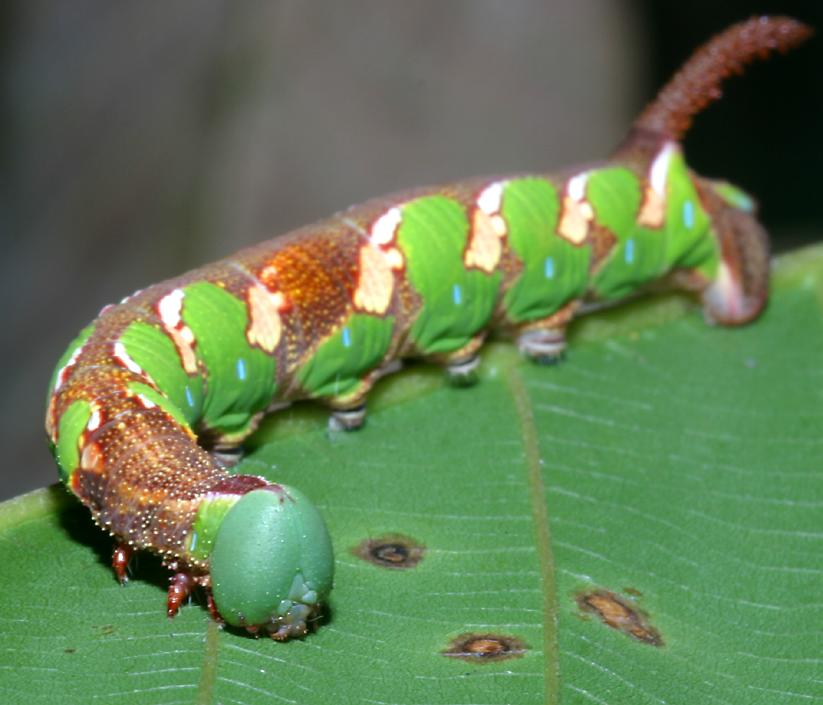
[[140, 139]]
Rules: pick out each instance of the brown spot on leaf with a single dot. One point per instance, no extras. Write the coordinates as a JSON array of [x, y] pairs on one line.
[[105, 629], [390, 551], [621, 614], [485, 648]]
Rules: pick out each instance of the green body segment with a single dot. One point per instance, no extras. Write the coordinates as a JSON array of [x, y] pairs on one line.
[[239, 380], [734, 196], [555, 271], [639, 254], [233, 381], [336, 369], [150, 396], [152, 349], [207, 522], [457, 302], [643, 254], [74, 347], [70, 432], [689, 244]]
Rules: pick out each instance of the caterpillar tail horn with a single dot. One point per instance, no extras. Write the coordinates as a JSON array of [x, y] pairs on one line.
[[699, 82], [739, 290]]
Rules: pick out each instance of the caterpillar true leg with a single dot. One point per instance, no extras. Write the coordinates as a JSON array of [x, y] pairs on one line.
[[120, 561], [212, 607], [180, 587]]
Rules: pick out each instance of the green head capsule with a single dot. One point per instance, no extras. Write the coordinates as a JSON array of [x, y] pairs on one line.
[[272, 562]]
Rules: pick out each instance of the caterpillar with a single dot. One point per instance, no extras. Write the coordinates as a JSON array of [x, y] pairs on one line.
[[146, 398]]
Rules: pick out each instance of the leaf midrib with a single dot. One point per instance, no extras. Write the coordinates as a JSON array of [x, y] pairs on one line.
[[542, 533]]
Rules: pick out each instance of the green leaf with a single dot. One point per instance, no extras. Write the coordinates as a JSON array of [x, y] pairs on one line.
[[666, 468]]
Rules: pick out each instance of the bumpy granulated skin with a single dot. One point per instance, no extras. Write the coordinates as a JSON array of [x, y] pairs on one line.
[[426, 273]]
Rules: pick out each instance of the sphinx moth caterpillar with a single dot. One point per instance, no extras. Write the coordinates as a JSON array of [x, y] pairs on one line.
[[147, 395]]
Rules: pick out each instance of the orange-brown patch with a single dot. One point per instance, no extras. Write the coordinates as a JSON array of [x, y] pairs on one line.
[[603, 241], [265, 327], [91, 458], [317, 278], [183, 340], [268, 275], [653, 210], [169, 309], [394, 551], [375, 284], [51, 418], [575, 220], [485, 247], [619, 613], [485, 648]]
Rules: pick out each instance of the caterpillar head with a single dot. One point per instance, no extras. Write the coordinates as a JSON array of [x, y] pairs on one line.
[[741, 286], [272, 563]]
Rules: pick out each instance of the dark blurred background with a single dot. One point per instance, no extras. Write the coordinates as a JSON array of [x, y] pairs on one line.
[[140, 139]]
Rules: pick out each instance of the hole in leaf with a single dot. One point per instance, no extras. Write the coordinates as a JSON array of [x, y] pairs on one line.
[[485, 648], [390, 551], [619, 613]]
